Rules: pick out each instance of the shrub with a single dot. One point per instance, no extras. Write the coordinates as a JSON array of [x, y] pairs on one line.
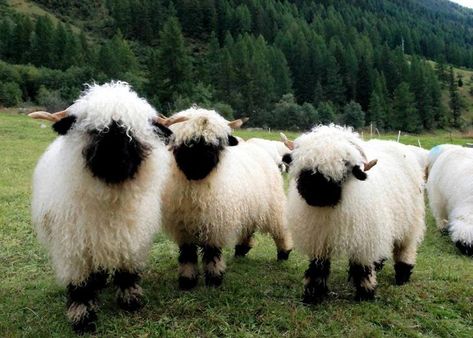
[[10, 94]]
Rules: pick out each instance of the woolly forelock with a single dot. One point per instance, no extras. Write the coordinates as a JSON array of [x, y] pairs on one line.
[[99, 105], [202, 124], [330, 150]]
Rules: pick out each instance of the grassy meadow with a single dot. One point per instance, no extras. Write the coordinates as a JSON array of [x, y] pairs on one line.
[[259, 296]]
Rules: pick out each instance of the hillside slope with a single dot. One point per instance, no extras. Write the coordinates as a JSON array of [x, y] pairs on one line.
[[285, 64]]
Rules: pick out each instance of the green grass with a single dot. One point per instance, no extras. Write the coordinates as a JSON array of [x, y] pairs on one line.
[[259, 297]]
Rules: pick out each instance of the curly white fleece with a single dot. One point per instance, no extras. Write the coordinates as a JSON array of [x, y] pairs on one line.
[[85, 223], [373, 216]]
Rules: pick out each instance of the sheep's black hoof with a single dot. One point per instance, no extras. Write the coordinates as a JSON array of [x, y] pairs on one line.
[[132, 304], [186, 283], [241, 250], [363, 294], [86, 324], [379, 265], [314, 295], [465, 249], [403, 272], [283, 255], [213, 280]]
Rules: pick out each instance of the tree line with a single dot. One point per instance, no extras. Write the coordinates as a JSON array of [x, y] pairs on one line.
[[285, 64]]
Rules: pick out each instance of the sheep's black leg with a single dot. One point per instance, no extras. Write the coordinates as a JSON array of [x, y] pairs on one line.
[[188, 273], [81, 302], [214, 266], [244, 245], [379, 264], [129, 293], [315, 281], [364, 280]]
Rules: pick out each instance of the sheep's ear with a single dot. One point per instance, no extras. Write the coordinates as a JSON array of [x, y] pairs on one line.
[[64, 125], [287, 159], [164, 132], [370, 164], [288, 143], [238, 123], [358, 173], [62, 120], [232, 140]]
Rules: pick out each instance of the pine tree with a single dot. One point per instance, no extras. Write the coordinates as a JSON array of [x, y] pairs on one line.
[[405, 115], [174, 68], [42, 42], [455, 102], [353, 115]]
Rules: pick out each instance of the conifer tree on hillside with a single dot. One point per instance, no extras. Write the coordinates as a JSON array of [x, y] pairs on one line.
[[455, 102], [173, 68], [405, 115]]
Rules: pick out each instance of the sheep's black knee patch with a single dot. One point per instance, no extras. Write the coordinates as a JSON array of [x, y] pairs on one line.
[[318, 191], [283, 255], [360, 275], [196, 159], [130, 294], [80, 299], [465, 249], [379, 265], [242, 249], [114, 155], [315, 288], [125, 279], [188, 254], [213, 272], [403, 272]]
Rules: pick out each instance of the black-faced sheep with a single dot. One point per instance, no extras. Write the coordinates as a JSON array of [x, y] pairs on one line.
[[449, 188], [219, 193], [96, 189], [335, 207]]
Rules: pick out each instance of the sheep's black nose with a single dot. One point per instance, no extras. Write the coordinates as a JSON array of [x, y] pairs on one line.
[[197, 159], [114, 155], [318, 191]]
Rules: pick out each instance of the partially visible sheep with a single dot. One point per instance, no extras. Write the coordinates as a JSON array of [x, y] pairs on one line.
[[450, 187], [422, 156], [436, 151], [219, 194], [275, 149], [96, 191], [335, 207]]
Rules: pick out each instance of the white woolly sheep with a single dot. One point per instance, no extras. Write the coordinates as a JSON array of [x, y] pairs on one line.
[[275, 149], [219, 194], [96, 189], [334, 207], [422, 156], [449, 188]]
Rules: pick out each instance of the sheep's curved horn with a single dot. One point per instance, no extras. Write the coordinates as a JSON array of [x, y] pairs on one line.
[[370, 164], [235, 124], [167, 121], [286, 141], [43, 115]]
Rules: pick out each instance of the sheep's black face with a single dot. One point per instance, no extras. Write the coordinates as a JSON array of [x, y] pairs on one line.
[[113, 155], [196, 159], [318, 191]]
